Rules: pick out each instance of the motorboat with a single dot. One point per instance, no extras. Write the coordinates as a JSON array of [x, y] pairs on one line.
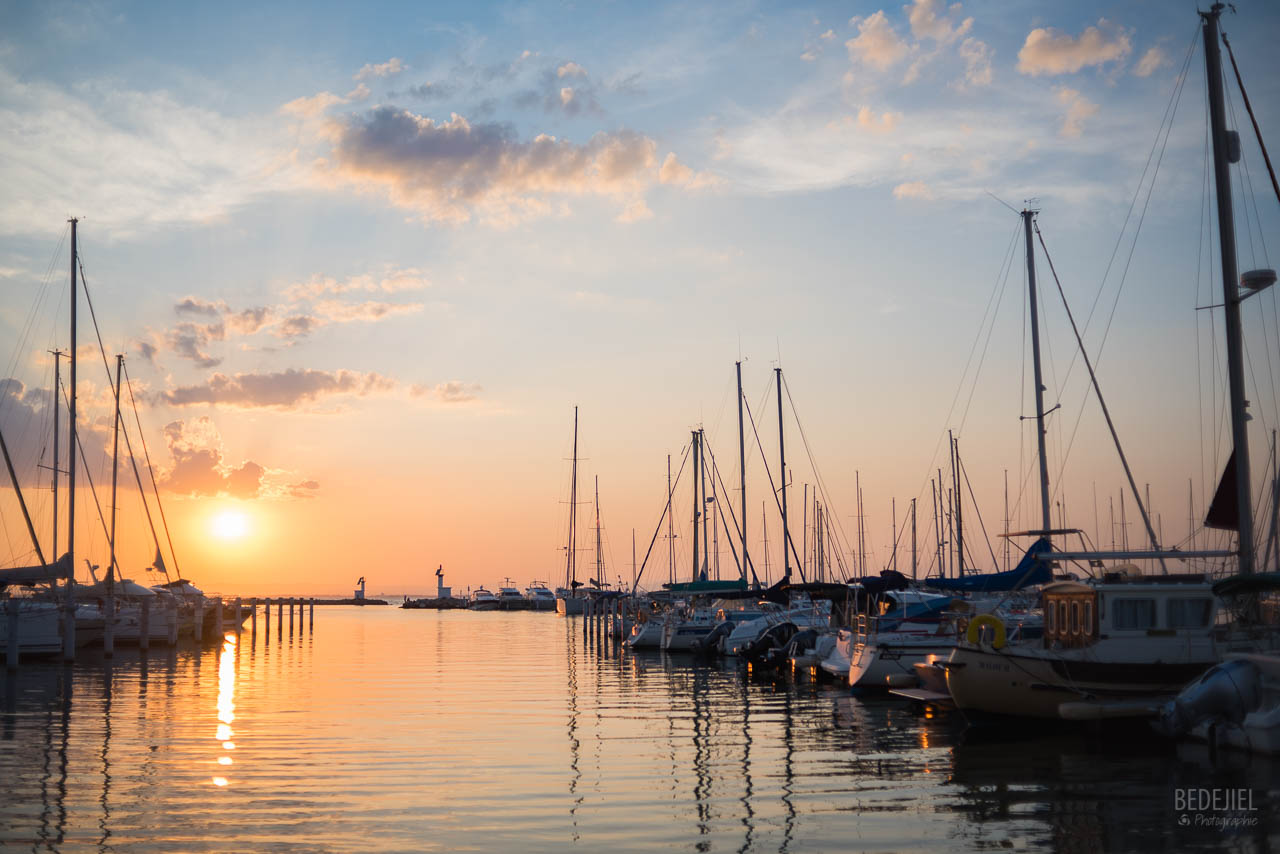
[[1235, 705], [540, 597], [483, 600]]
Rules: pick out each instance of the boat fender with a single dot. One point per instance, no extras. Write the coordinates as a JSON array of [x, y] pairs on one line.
[[975, 630]]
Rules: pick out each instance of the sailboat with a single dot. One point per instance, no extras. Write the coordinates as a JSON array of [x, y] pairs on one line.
[[569, 598], [1116, 646]]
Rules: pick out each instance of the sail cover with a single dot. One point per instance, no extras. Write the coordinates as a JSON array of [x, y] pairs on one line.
[[1030, 570]]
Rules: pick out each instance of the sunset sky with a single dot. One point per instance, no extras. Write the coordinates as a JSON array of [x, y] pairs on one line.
[[364, 261]]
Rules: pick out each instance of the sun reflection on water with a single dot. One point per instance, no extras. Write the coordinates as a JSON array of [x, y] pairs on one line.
[[226, 700]]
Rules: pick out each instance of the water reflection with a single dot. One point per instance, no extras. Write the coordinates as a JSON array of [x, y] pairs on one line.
[[226, 702]]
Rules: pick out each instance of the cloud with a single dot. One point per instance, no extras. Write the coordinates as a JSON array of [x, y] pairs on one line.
[[635, 211], [359, 93], [393, 280], [333, 311], [977, 63], [1049, 51], [389, 68], [199, 468], [281, 390], [453, 391], [877, 44], [931, 19], [451, 170], [675, 173], [883, 123], [190, 340], [195, 305], [1078, 107], [913, 190], [313, 106], [138, 160], [1152, 60], [571, 69]]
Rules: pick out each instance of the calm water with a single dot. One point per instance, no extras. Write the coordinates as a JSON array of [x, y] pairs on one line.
[[390, 730]]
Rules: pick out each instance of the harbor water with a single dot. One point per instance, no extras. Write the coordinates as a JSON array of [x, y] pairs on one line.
[[391, 730]]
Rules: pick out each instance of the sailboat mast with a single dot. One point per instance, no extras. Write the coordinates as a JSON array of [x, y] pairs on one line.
[[1230, 293], [696, 509], [599, 558], [957, 501], [115, 470], [69, 618], [702, 479], [782, 467], [57, 391], [671, 530], [571, 567], [913, 538], [1047, 524], [742, 473]]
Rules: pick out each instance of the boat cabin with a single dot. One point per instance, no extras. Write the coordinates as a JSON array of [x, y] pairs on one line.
[[1077, 615]]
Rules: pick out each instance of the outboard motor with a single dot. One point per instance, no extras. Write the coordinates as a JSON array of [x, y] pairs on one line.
[[710, 644], [759, 651], [799, 642], [1227, 692]]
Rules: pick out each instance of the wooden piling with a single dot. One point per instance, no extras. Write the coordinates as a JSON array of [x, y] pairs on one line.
[[311, 617], [12, 651], [144, 626], [253, 617], [217, 617], [239, 615], [279, 618], [293, 603]]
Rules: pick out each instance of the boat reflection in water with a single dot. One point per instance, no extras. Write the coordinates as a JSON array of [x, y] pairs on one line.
[[379, 732]]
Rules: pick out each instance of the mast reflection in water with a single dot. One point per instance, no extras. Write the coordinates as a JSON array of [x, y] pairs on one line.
[[391, 730]]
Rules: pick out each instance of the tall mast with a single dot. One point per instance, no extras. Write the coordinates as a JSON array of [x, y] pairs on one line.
[[702, 479], [782, 467], [696, 508], [69, 618], [913, 538], [57, 391], [937, 527], [571, 566], [1047, 523], [959, 518], [671, 530], [742, 473], [1230, 293], [599, 559], [894, 510], [115, 470]]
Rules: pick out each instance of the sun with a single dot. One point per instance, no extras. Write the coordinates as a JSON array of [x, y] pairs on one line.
[[230, 525]]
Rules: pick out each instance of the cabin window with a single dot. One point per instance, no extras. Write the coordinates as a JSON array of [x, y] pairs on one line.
[[1133, 614], [1062, 618], [1075, 618], [1048, 619], [1189, 613], [1086, 618]]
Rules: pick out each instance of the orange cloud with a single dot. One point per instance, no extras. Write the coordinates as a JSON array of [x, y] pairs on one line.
[[279, 390], [1048, 51]]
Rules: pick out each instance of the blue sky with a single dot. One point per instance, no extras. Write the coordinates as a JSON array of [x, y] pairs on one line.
[[385, 250]]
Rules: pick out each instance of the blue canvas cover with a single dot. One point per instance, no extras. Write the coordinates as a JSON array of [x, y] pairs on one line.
[[1029, 571]]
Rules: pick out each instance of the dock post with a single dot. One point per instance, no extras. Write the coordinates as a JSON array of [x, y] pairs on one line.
[[253, 617], [279, 618], [144, 626], [293, 602], [199, 624], [239, 615], [11, 651], [173, 622], [217, 616], [311, 616]]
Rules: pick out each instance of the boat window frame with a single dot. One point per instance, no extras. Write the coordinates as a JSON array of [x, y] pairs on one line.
[[1075, 618], [1204, 623], [1086, 619], [1118, 612]]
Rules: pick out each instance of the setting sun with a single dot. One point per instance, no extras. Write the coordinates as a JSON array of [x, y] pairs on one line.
[[230, 525]]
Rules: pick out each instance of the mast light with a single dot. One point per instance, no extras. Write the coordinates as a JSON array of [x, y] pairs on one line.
[[1257, 280]]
